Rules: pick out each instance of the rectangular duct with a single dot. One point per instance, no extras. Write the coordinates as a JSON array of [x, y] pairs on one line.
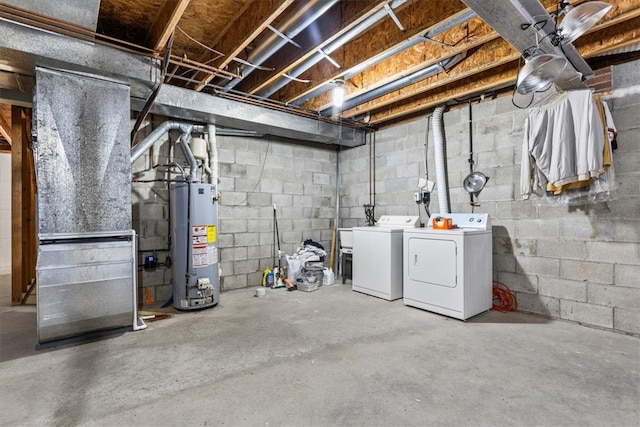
[[87, 261], [82, 153]]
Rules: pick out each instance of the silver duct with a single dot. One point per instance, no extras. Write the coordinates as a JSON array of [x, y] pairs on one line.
[[331, 47], [387, 54], [140, 148], [397, 84], [304, 15], [441, 169]]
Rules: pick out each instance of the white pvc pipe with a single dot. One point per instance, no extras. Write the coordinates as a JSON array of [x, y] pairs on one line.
[[213, 153], [441, 170]]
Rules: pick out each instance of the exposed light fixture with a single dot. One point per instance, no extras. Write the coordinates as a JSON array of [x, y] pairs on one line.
[[338, 93], [579, 19], [541, 69]]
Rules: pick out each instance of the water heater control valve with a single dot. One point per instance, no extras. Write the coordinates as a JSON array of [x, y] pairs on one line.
[[204, 283]]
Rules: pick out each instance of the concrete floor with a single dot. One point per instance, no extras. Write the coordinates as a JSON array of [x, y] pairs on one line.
[[330, 357]]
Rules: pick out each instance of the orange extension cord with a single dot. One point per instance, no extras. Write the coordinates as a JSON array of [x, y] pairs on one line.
[[503, 299]]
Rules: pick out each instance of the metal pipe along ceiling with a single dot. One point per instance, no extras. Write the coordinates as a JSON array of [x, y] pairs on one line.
[[397, 84], [303, 16], [469, 14], [328, 49]]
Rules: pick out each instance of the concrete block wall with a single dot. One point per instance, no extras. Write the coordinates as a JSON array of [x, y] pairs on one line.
[[579, 263], [254, 174]]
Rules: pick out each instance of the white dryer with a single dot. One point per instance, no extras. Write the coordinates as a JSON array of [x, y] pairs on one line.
[[377, 257], [449, 271]]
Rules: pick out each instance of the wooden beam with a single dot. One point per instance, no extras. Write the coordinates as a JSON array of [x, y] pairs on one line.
[[499, 52], [254, 15], [417, 17], [165, 23], [5, 122], [23, 233], [18, 136], [461, 38]]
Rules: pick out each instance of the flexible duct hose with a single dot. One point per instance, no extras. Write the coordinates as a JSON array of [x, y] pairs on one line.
[[441, 170]]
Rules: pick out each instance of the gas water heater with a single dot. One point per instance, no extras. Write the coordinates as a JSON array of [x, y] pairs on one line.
[[194, 246]]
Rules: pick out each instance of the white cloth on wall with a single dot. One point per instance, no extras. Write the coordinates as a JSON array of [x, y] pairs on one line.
[[563, 142]]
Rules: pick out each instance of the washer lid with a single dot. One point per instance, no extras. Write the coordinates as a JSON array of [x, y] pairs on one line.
[[398, 221]]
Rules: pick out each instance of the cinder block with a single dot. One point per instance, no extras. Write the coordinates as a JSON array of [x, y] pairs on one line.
[[496, 193], [519, 282], [249, 158], [627, 275], [282, 201], [163, 293], [153, 277], [246, 239], [233, 254], [233, 198], [537, 265], [626, 320], [589, 314], [525, 247], [293, 188], [626, 118], [614, 252], [236, 281], [538, 228], [588, 230], [259, 199], [613, 296], [562, 289], [152, 243], [563, 249], [259, 252], [226, 155], [504, 262], [503, 245], [628, 184], [225, 240], [595, 272], [538, 304], [627, 231], [233, 225], [233, 170], [246, 266], [627, 163]]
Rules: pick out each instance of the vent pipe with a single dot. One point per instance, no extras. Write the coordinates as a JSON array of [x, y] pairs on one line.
[[349, 35], [397, 84], [140, 148], [306, 13], [441, 167]]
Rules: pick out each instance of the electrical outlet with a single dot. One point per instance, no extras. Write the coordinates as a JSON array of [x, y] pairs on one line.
[[426, 197]]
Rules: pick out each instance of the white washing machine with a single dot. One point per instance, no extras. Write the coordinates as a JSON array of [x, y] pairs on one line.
[[449, 271], [377, 257]]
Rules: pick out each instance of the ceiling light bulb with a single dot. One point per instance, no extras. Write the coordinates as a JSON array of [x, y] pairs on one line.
[[338, 93]]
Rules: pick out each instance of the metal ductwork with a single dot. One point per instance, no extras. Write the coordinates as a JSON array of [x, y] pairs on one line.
[[467, 15], [140, 148], [398, 84], [331, 47], [304, 15], [439, 154]]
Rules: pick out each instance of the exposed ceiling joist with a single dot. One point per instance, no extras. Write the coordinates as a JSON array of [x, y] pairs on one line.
[[165, 23], [5, 122], [499, 73], [254, 15]]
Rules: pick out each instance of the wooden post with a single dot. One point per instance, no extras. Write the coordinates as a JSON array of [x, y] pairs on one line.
[[23, 235]]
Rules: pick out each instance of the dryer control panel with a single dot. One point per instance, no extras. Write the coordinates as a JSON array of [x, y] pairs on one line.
[[475, 221]]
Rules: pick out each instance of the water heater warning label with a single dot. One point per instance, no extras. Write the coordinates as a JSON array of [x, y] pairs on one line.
[[200, 255]]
